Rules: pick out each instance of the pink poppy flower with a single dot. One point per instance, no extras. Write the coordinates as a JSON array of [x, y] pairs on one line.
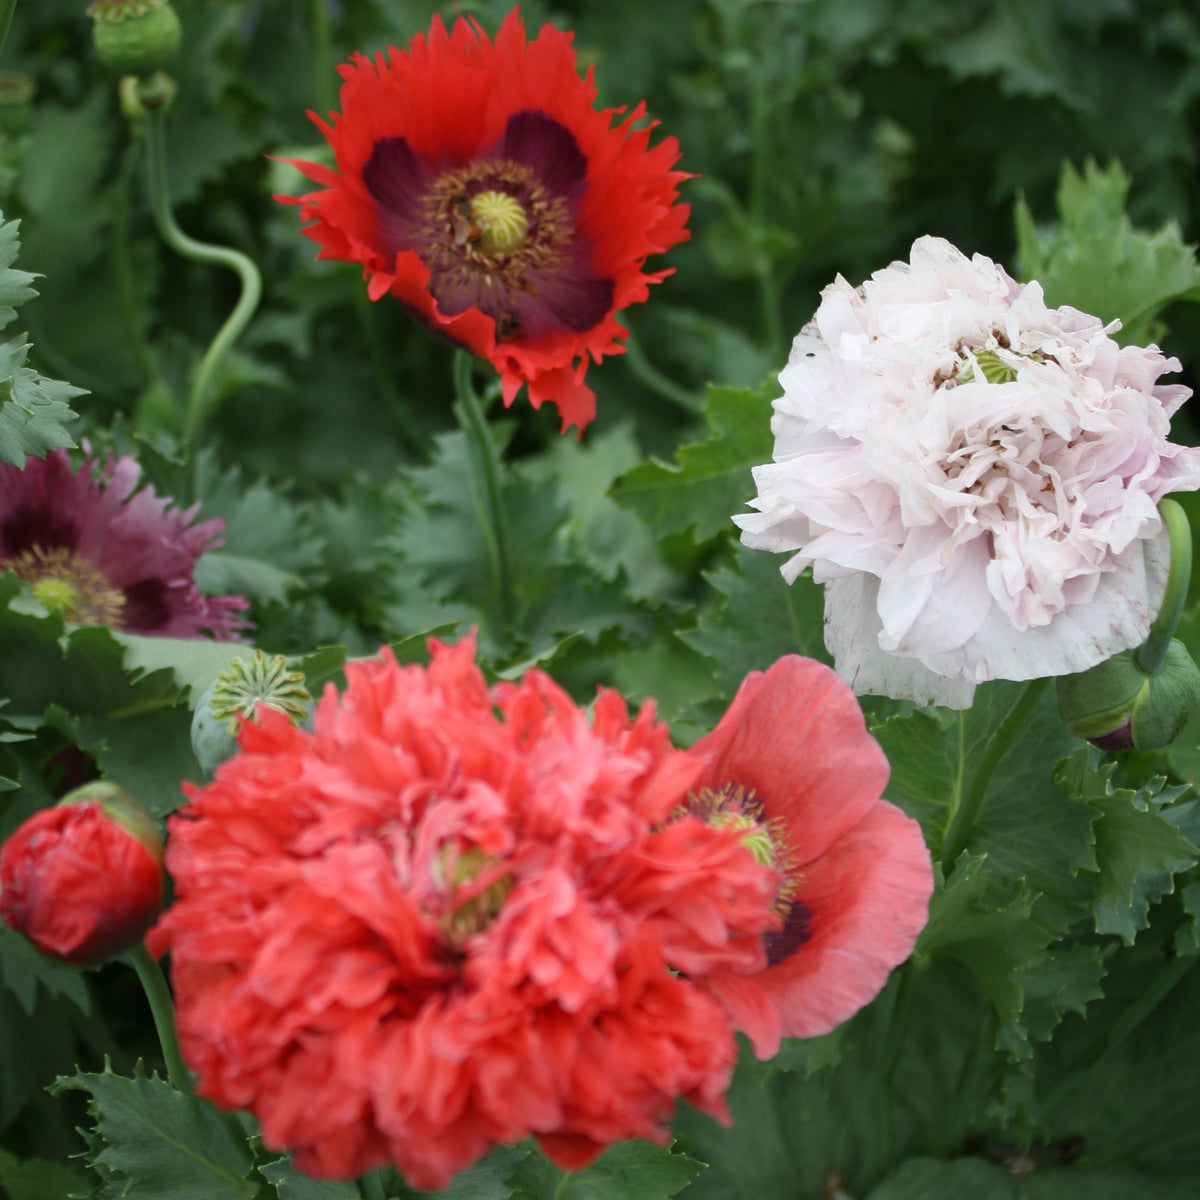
[[973, 476], [102, 551], [793, 756]]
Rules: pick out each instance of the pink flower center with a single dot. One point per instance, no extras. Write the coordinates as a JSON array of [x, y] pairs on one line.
[[66, 583]]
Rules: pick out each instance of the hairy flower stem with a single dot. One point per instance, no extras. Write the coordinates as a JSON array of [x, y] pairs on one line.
[[371, 1186], [323, 46], [6, 15], [1152, 653], [485, 484], [202, 252], [162, 1009], [963, 818]]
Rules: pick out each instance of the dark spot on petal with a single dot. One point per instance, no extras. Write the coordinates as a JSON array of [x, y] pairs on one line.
[[29, 526], [146, 608], [537, 140], [797, 929], [398, 180]]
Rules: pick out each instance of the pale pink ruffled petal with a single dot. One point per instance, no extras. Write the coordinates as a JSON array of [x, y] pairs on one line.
[[992, 466]]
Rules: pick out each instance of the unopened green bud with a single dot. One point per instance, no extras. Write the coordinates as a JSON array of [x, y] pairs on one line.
[[135, 36], [1117, 705]]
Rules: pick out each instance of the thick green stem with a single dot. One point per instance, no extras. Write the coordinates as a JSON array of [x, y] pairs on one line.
[[202, 252], [963, 818], [486, 463], [162, 1008], [6, 15], [323, 47], [1152, 653], [371, 1186], [1161, 986]]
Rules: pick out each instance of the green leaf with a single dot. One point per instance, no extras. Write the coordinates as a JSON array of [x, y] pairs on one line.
[[35, 1178], [627, 1170], [1097, 261], [487, 1179], [15, 286], [710, 481], [23, 966], [986, 924], [757, 618], [160, 1142], [290, 1184], [1137, 852], [34, 411]]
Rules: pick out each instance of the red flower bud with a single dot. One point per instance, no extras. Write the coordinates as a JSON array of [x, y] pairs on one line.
[[83, 880]]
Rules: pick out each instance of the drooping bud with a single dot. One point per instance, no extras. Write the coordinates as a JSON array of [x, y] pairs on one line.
[[1117, 705], [135, 36], [83, 880], [237, 692]]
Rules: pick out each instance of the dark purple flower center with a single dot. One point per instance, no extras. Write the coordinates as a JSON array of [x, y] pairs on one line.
[[499, 232]]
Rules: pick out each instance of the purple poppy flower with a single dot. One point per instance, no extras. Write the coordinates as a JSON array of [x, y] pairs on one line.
[[101, 551]]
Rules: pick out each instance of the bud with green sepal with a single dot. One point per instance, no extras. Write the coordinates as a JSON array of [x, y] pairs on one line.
[[237, 692], [1141, 699], [84, 880], [135, 36]]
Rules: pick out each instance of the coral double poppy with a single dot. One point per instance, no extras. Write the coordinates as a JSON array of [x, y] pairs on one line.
[[104, 551], [478, 185], [452, 917]]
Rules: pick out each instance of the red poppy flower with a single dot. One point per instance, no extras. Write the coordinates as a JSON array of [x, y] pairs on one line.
[[793, 757], [453, 917], [83, 880], [476, 183]]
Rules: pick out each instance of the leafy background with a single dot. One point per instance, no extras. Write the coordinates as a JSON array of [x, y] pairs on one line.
[[1041, 1044]]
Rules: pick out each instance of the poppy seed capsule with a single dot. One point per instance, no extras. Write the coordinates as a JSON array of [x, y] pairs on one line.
[[135, 36]]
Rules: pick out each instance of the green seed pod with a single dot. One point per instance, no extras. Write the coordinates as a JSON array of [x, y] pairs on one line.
[[135, 36], [238, 691]]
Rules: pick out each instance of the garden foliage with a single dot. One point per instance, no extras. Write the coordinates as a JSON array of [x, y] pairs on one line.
[[1042, 1042]]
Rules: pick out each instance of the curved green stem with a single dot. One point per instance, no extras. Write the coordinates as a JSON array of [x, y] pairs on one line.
[[1152, 653], [486, 463], [162, 1008], [963, 818], [654, 379], [202, 252]]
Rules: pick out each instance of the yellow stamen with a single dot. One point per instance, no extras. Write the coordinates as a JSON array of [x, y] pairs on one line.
[[66, 584]]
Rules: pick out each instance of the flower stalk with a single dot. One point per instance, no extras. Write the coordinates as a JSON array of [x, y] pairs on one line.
[[6, 14], [163, 1011], [962, 819], [201, 252], [493, 517], [1152, 653]]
